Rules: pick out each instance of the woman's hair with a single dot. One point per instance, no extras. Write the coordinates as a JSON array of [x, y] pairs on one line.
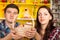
[[49, 26]]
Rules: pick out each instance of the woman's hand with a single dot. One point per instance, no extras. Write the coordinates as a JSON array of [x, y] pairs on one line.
[[30, 33]]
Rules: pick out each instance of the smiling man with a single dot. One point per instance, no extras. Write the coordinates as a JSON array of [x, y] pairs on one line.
[[11, 12], [8, 26]]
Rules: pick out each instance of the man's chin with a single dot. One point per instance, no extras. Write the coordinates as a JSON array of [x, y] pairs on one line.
[[10, 21]]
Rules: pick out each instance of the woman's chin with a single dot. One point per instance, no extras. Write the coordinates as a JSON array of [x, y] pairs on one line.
[[43, 23]]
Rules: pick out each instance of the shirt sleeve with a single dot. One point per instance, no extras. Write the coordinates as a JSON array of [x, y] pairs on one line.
[[55, 35], [2, 32]]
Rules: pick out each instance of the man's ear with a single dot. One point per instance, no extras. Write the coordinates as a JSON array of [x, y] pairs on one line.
[[4, 14]]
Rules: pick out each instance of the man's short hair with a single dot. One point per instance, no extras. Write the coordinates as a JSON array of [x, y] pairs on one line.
[[11, 6]]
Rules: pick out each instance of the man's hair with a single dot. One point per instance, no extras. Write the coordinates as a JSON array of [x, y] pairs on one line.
[[11, 6]]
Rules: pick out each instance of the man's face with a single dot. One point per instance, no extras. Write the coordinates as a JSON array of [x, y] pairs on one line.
[[11, 14]]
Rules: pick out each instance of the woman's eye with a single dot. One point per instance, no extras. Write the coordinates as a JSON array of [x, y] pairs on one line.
[[46, 14], [39, 14]]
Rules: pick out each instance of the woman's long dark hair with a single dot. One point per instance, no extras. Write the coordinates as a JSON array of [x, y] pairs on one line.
[[49, 26]]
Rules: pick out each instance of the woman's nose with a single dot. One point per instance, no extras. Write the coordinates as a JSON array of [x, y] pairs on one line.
[[41, 15]]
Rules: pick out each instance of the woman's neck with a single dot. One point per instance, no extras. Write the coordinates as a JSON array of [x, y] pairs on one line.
[[43, 28]]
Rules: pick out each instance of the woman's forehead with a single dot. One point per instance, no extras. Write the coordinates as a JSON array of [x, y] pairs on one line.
[[43, 10]]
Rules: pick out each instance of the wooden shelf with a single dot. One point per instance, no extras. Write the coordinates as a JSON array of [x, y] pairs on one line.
[[42, 4], [20, 19], [27, 4], [56, 12], [25, 19]]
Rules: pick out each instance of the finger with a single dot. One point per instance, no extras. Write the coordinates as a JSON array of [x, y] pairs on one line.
[[33, 29], [29, 36], [14, 36], [30, 33]]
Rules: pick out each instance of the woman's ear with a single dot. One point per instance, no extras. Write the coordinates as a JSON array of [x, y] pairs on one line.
[[50, 17]]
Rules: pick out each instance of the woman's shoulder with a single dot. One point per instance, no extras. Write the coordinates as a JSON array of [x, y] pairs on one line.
[[55, 34], [56, 29]]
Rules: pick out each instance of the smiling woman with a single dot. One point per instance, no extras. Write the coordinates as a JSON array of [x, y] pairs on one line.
[[44, 23]]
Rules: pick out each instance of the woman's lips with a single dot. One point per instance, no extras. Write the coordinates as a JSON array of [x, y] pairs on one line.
[[42, 19]]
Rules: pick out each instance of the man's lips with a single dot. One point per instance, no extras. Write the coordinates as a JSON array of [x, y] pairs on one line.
[[11, 18]]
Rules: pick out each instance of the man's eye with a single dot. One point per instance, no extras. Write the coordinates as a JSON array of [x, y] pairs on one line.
[[8, 12], [15, 13]]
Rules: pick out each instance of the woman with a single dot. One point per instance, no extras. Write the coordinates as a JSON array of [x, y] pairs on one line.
[[44, 23]]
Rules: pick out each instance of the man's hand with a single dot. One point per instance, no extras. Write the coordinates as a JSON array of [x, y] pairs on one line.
[[19, 32], [8, 37], [16, 36]]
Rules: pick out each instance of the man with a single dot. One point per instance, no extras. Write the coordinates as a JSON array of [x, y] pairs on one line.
[[8, 26]]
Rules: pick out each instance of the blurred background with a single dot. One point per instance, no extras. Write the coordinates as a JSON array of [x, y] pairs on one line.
[[28, 9]]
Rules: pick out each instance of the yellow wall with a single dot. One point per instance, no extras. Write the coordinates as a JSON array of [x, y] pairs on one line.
[[29, 4]]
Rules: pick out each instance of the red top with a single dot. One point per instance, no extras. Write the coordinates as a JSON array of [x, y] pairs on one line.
[[55, 35]]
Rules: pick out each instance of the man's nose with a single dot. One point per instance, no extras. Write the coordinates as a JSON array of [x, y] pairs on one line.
[[11, 14]]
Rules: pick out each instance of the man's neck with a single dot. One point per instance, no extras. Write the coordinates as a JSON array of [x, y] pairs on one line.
[[10, 24]]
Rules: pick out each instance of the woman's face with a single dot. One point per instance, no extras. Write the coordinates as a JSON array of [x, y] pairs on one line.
[[44, 16]]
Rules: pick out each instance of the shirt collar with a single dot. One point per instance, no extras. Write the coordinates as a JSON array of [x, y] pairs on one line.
[[5, 26]]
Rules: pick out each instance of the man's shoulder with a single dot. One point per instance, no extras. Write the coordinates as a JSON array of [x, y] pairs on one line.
[[1, 25]]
